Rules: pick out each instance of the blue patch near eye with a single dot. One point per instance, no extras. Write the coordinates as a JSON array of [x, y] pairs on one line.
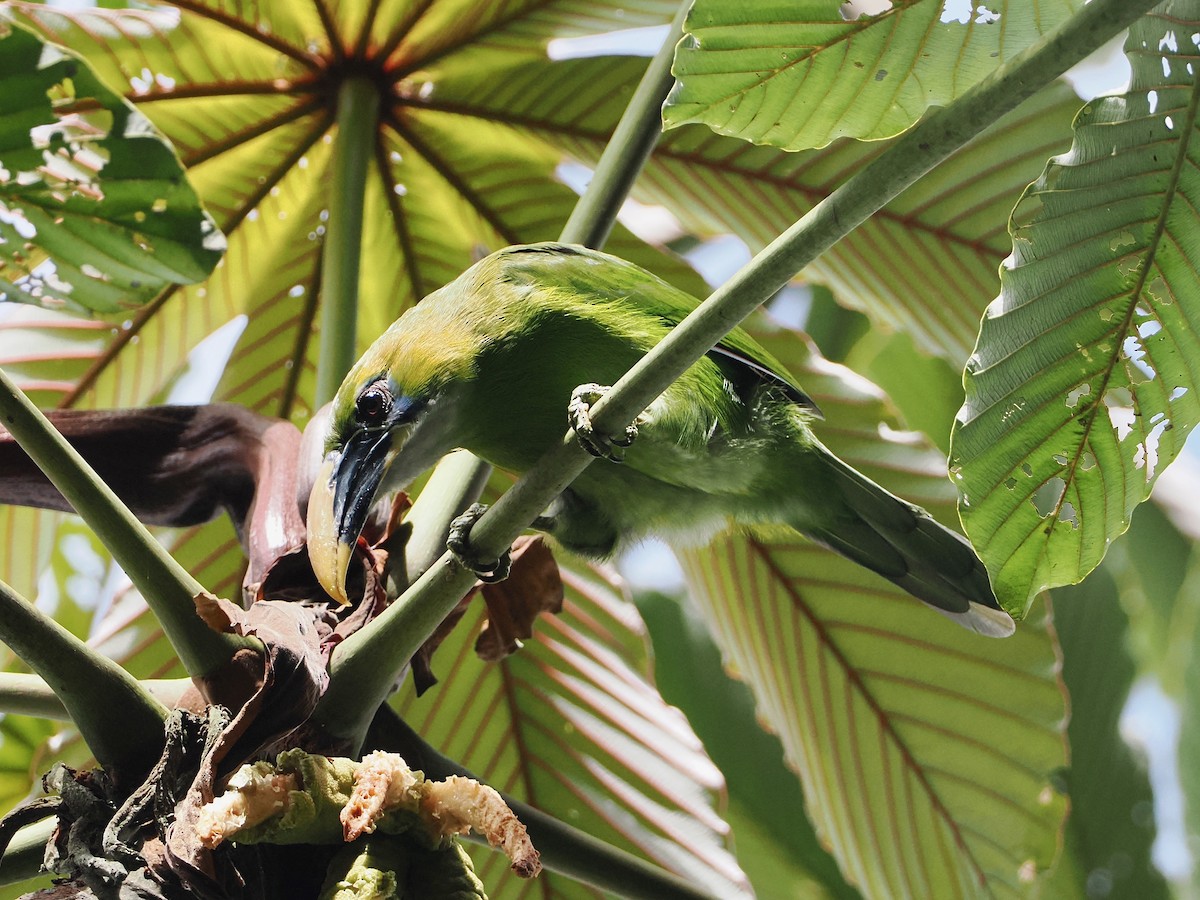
[[405, 409]]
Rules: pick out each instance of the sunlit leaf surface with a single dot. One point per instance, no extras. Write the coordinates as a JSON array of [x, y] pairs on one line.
[[925, 264], [925, 752], [801, 75], [778, 849], [571, 724], [95, 212], [248, 93], [1083, 385]]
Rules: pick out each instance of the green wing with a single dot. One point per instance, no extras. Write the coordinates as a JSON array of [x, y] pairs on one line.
[[585, 272]]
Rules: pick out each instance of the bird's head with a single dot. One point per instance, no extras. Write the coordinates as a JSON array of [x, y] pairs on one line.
[[390, 421]]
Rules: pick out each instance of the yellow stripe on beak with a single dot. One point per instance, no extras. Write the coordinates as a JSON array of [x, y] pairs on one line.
[[330, 557]]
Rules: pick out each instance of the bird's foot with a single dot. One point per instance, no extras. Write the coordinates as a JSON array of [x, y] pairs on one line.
[[579, 417], [489, 571]]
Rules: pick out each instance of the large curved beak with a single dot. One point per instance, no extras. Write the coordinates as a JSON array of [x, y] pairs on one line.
[[340, 501]]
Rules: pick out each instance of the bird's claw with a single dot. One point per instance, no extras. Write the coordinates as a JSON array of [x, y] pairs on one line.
[[458, 542], [579, 417]]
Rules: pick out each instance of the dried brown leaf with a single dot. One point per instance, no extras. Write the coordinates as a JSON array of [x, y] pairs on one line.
[[534, 586]]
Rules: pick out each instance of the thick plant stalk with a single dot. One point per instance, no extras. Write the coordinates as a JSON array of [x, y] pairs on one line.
[[627, 150], [23, 858], [169, 590], [120, 721], [358, 684], [30, 695], [455, 484], [358, 111]]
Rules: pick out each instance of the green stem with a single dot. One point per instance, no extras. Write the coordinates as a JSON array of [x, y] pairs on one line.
[[23, 858], [358, 112], [358, 682], [563, 849], [168, 589], [456, 483], [627, 150], [30, 695], [118, 719]]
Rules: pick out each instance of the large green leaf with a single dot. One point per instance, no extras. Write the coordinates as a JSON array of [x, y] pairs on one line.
[[1082, 387], [926, 753], [925, 264], [799, 75], [778, 849], [572, 724], [247, 92], [95, 212]]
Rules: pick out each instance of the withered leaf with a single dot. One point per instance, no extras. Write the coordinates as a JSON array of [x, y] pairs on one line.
[[179, 466], [533, 586]]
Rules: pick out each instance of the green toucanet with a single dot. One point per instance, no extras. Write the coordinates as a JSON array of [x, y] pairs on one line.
[[491, 361]]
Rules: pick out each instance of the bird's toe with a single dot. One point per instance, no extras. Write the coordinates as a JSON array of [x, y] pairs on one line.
[[458, 542]]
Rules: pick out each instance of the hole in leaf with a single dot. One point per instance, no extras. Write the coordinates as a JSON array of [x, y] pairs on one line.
[[1146, 455], [1078, 393], [1124, 239], [1027, 872], [1151, 327], [857, 9], [1121, 414], [1045, 499]]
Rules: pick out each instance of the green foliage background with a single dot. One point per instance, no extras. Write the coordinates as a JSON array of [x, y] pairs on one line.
[[912, 759]]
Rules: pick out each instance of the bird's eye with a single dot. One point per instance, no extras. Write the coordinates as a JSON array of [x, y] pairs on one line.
[[373, 404]]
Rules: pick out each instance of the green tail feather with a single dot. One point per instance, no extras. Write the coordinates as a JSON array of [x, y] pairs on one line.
[[905, 545]]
